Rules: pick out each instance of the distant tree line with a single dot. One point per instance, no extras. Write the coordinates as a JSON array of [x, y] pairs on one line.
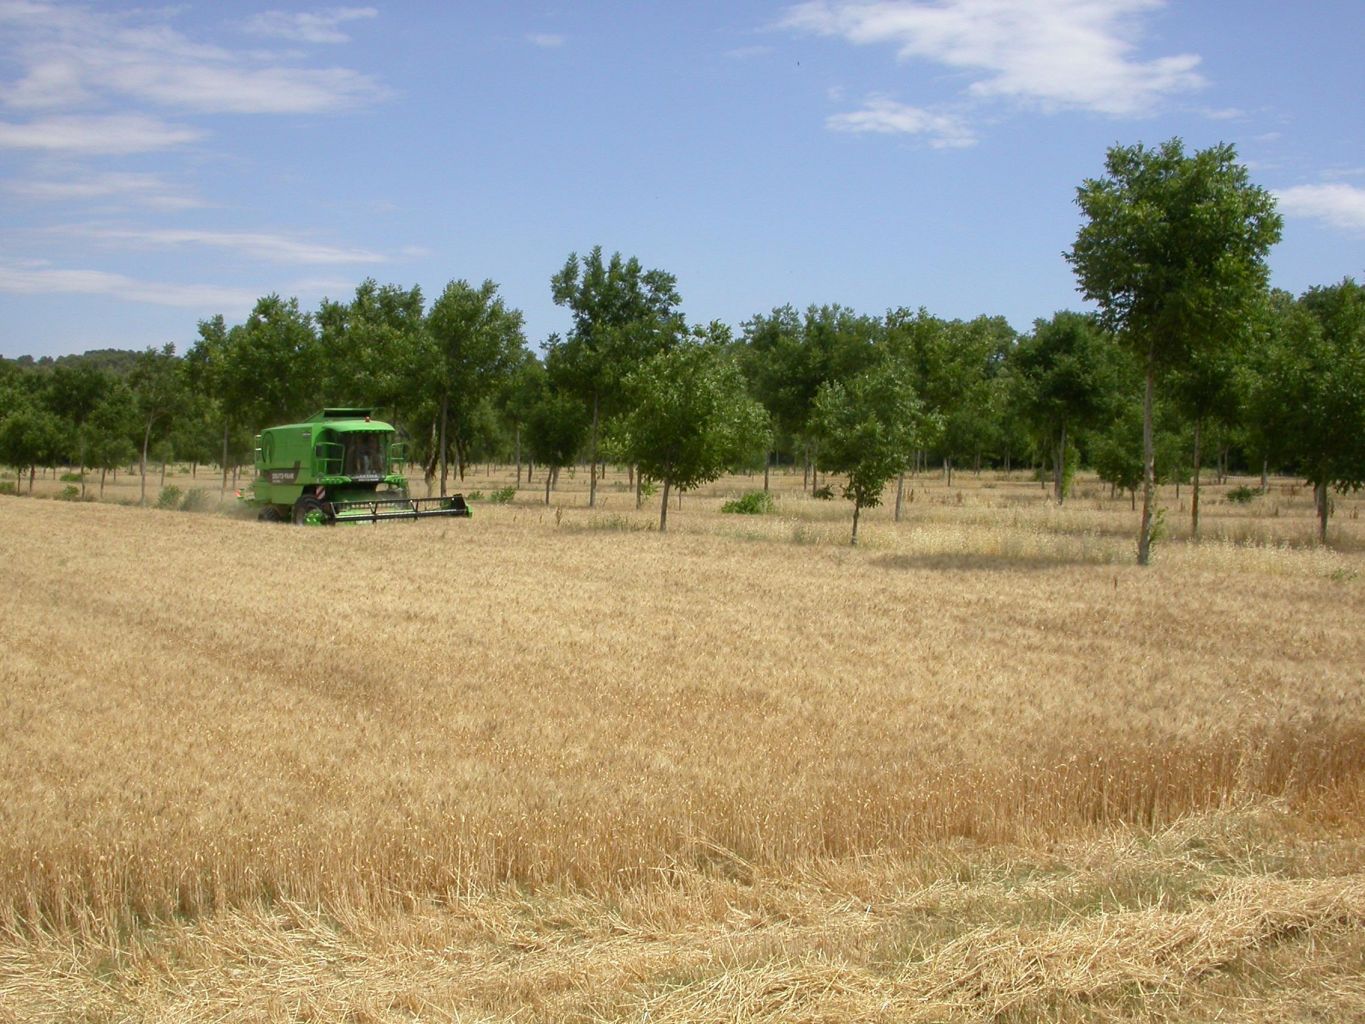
[[1190, 362]]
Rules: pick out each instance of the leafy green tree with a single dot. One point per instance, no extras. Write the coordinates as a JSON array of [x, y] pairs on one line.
[[1312, 396], [622, 315], [868, 428], [522, 389], [72, 393], [690, 419], [556, 430], [370, 346], [158, 385], [271, 367], [30, 436], [1174, 252], [1065, 382], [110, 429], [472, 342]]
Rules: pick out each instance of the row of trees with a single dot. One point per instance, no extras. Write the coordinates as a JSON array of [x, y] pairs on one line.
[[1189, 354]]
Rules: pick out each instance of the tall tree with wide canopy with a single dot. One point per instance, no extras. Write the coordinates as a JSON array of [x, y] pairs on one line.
[[690, 418], [1174, 253], [472, 342], [158, 386], [622, 315]]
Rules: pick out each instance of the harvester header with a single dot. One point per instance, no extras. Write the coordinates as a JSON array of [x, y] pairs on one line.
[[339, 465]]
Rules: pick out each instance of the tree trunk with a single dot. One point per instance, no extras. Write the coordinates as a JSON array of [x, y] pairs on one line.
[[518, 455], [639, 490], [1265, 476], [547, 486], [948, 469], [1059, 468], [1144, 553], [663, 509], [857, 508], [32, 473], [441, 441], [146, 441], [1194, 494], [1324, 509], [592, 481], [900, 495], [102, 475], [163, 474], [767, 465], [223, 492]]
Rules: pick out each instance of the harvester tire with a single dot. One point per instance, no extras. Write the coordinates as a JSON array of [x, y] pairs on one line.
[[308, 511], [270, 514]]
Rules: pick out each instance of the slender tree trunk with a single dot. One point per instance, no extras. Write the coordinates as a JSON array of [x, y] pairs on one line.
[[639, 490], [223, 492], [663, 508], [102, 475], [1194, 493], [857, 508], [441, 453], [1265, 476], [519, 455], [146, 441], [592, 481], [1324, 509], [1144, 554], [900, 495], [948, 469], [767, 465], [547, 487], [1059, 468], [163, 474], [32, 473]]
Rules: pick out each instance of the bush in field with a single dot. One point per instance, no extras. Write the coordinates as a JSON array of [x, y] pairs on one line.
[[755, 503], [503, 496], [170, 497], [1242, 495], [70, 493], [196, 499]]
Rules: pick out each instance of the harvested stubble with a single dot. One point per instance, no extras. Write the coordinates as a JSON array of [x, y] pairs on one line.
[[217, 721]]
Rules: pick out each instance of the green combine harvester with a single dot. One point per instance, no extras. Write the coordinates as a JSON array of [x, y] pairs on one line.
[[338, 466]]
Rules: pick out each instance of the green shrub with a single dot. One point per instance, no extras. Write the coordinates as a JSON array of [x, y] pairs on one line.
[[70, 493], [474, 496], [503, 496], [755, 503], [648, 488], [7, 487], [170, 497], [72, 478], [825, 493], [1242, 495]]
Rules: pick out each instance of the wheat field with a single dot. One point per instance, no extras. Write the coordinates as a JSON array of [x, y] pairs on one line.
[[547, 764]]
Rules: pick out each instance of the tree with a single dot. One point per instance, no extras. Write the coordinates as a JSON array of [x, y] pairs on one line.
[[868, 427], [690, 419], [472, 341], [30, 436], [622, 315], [1311, 398], [157, 382], [109, 431], [73, 392], [1173, 250], [1064, 382], [556, 429], [270, 366]]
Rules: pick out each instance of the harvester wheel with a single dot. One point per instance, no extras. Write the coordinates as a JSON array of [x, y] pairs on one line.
[[308, 511], [270, 514]]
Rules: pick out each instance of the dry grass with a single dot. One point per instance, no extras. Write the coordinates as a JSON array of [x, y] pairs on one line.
[[550, 765]]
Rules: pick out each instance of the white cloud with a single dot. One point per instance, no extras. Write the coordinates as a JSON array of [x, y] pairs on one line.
[[113, 58], [116, 134], [545, 40], [273, 248], [1338, 205], [142, 189], [321, 26], [885, 116], [44, 279], [1055, 53]]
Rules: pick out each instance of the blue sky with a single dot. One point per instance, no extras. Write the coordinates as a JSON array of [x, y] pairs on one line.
[[159, 165]]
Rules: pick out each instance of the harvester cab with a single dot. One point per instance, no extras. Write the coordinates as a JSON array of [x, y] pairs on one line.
[[339, 465]]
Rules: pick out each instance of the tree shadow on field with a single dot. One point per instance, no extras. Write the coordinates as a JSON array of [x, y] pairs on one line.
[[986, 563]]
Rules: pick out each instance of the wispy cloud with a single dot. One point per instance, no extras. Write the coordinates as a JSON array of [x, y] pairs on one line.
[[320, 26], [546, 40], [1056, 54], [116, 58], [38, 278], [885, 116], [150, 190], [114, 134], [273, 248], [1337, 205]]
